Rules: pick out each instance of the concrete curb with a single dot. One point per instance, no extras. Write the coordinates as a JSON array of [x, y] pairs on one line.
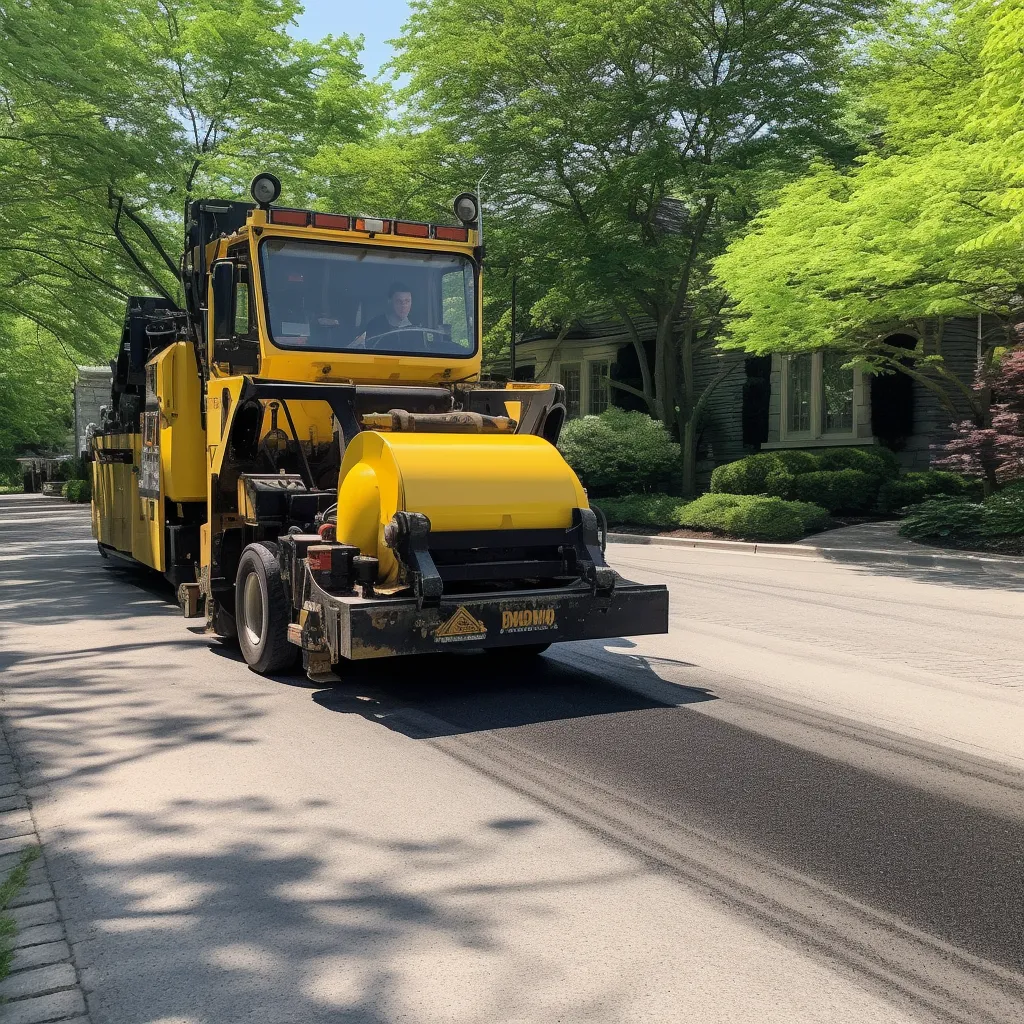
[[44, 981], [853, 555]]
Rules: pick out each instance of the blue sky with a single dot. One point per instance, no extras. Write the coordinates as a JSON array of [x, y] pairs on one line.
[[377, 20]]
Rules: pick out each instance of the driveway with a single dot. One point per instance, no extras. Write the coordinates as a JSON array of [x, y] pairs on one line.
[[803, 804]]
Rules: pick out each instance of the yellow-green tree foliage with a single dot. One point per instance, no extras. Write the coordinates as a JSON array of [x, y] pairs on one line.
[[927, 223], [144, 104]]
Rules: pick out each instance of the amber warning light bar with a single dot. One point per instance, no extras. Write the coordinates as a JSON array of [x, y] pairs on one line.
[[368, 225]]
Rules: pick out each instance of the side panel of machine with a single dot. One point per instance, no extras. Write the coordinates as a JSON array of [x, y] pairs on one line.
[[115, 489], [122, 518], [182, 441]]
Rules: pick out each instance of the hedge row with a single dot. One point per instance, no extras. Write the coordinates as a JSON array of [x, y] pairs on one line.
[[913, 488], [850, 481], [782, 474], [754, 517], [79, 491], [750, 517], [657, 510]]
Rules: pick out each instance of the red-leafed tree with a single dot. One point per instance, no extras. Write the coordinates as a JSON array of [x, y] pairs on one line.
[[993, 450]]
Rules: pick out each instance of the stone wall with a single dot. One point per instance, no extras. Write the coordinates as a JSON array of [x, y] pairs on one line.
[[92, 390]]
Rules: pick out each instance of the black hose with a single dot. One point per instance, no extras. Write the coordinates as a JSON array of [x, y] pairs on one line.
[[310, 482]]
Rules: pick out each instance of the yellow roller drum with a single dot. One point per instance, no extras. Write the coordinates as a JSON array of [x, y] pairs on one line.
[[459, 482]]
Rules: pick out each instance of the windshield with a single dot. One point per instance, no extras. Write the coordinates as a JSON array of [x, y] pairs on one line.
[[333, 297]]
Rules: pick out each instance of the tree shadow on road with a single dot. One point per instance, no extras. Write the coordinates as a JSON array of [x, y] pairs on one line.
[[242, 917]]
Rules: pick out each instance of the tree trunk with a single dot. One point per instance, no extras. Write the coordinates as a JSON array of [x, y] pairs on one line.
[[663, 400], [647, 393], [686, 415]]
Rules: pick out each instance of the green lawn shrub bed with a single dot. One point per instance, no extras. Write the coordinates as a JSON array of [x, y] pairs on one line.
[[620, 453], [998, 518], [744, 516], [845, 481], [79, 491]]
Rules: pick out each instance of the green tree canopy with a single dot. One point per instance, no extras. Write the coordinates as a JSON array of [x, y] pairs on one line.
[[624, 143], [925, 225], [129, 108]]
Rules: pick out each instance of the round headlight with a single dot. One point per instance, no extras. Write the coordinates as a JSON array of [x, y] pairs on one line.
[[466, 208], [265, 188]]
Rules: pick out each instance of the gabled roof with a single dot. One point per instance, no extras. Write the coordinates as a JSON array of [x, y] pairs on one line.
[[598, 329]]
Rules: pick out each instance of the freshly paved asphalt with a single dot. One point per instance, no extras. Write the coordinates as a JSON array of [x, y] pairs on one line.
[[804, 804]]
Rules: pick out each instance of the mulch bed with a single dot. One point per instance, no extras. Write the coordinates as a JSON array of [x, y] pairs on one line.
[[653, 531]]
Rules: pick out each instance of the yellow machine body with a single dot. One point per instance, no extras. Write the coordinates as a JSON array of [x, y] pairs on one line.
[[312, 364], [325, 490], [459, 482], [133, 475]]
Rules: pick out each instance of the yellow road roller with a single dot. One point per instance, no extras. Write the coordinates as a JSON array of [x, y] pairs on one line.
[[305, 448]]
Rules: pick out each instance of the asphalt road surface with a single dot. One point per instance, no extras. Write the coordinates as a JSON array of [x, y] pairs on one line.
[[804, 804]]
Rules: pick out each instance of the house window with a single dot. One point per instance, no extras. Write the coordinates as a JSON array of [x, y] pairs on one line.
[[569, 377], [836, 394], [798, 394], [819, 400], [599, 387]]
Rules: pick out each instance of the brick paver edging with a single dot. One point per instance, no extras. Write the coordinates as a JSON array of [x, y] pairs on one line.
[[851, 555], [44, 983]]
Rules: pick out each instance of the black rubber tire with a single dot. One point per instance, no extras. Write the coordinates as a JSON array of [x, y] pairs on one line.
[[263, 611], [103, 552], [523, 653]]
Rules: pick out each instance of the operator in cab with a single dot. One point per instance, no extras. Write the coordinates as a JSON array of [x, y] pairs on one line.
[[396, 317]]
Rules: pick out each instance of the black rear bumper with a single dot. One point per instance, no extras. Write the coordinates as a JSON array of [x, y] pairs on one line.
[[353, 627]]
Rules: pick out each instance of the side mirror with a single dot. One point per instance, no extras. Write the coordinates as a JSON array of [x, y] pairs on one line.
[[223, 288]]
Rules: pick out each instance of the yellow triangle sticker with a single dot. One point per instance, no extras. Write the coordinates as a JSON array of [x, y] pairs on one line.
[[461, 626]]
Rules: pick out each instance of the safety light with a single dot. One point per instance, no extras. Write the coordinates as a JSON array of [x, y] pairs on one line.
[[265, 188], [466, 208], [330, 220], [297, 218], [374, 227], [408, 227], [448, 234]]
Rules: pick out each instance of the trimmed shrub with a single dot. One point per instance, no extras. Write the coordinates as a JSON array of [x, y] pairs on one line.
[[943, 517], [913, 488], [814, 517], [715, 512], [770, 473], [767, 520], [660, 510], [845, 490], [797, 462], [79, 491], [763, 473], [620, 452], [708, 511], [878, 462]]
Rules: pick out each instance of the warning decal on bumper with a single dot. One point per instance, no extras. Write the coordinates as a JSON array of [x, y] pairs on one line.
[[462, 626]]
